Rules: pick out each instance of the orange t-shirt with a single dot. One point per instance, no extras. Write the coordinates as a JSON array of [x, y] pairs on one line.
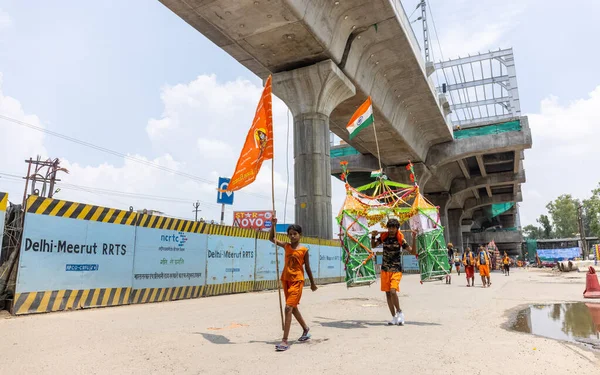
[[293, 270]]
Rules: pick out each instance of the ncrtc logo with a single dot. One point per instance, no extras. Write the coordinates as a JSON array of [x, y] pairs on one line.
[[179, 238]]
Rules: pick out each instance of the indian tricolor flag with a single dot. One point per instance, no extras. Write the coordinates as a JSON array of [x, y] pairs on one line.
[[362, 118]]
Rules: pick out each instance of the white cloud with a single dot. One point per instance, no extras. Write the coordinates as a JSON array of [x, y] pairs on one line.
[[17, 143], [214, 149], [5, 20], [469, 26], [565, 153], [201, 133], [158, 128]]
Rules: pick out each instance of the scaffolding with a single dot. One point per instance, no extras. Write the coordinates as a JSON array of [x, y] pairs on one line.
[[480, 89]]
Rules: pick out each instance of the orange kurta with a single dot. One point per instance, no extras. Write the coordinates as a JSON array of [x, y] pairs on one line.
[[292, 276]]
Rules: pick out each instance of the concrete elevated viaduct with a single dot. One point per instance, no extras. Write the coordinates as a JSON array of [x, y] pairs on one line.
[[326, 57], [473, 175]]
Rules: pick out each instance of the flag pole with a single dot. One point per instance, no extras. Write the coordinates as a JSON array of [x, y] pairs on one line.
[[276, 249], [377, 144]]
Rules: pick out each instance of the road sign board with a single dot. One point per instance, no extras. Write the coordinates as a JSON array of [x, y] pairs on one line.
[[224, 197]]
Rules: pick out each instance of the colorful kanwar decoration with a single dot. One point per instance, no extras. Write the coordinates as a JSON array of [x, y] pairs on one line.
[[259, 143], [376, 203]]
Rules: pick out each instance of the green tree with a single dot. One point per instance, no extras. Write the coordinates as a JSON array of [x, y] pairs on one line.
[[544, 221], [591, 209], [533, 232], [563, 211]]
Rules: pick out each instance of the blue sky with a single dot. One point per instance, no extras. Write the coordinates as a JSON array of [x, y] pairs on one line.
[[133, 77], [97, 73]]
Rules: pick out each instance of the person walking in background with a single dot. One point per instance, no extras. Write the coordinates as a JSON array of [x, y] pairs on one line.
[[450, 248], [483, 262], [469, 263], [506, 264], [457, 262]]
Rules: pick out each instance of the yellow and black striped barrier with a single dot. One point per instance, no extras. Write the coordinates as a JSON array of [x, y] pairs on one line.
[[265, 285], [80, 211], [169, 223], [331, 243], [228, 288], [59, 300], [3, 201], [148, 295]]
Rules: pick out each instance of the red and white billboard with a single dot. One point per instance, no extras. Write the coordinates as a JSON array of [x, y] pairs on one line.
[[258, 220]]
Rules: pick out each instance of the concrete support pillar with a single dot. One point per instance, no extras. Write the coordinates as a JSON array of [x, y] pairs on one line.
[[508, 221], [455, 228], [441, 200], [312, 93]]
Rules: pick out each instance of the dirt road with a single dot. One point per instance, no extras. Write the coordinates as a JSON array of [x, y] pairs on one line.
[[236, 334]]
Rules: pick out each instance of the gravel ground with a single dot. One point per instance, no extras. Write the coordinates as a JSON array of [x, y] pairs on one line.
[[236, 334]]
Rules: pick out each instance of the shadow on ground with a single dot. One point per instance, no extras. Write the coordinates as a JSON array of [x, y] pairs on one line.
[[222, 340], [215, 339], [351, 324], [422, 324]]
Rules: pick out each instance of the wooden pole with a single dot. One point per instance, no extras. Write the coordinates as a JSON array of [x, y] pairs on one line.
[[276, 249], [377, 144]]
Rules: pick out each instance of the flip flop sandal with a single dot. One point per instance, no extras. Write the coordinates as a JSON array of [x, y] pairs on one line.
[[281, 348], [304, 337]]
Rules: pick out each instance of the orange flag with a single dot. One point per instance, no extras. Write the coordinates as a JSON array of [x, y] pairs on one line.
[[259, 143]]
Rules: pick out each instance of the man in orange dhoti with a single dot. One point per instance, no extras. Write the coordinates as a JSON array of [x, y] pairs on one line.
[[483, 262], [469, 263]]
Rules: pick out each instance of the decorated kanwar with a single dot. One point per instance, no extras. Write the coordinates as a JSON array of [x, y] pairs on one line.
[[391, 205]]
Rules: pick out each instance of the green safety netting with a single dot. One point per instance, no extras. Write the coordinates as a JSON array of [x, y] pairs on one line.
[[531, 249], [504, 127], [433, 259], [500, 208], [358, 259]]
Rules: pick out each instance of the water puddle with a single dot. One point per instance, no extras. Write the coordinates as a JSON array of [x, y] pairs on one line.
[[574, 322]]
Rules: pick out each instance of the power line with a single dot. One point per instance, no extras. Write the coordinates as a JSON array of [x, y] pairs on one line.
[[17, 179], [119, 154], [413, 12], [97, 190]]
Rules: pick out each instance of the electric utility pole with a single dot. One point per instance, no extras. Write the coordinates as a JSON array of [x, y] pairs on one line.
[[196, 209]]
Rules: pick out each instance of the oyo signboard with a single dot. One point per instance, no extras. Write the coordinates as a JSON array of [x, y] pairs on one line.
[[258, 220]]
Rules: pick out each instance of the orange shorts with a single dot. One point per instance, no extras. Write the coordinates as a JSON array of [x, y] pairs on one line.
[[390, 280], [292, 291], [484, 270]]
